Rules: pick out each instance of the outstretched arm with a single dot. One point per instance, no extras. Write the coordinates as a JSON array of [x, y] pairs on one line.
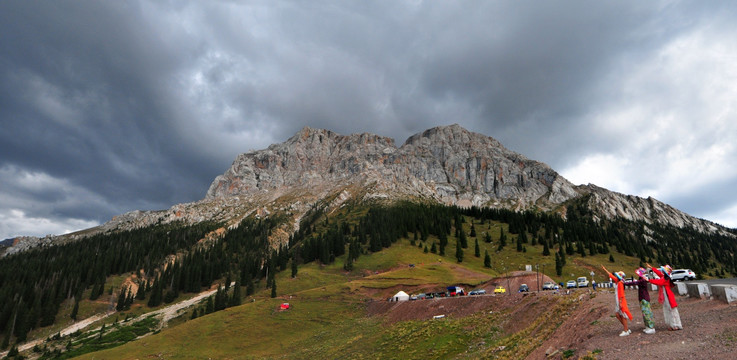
[[657, 272], [614, 278]]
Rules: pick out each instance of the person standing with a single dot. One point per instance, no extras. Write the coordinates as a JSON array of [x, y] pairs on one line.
[[666, 297], [621, 311], [643, 295]]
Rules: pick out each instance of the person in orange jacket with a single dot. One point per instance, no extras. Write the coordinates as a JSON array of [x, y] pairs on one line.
[[621, 312], [666, 297]]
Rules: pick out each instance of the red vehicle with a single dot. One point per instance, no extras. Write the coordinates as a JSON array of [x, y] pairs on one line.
[[284, 306]]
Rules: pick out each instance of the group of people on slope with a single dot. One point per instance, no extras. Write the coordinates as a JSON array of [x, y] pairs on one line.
[[665, 297]]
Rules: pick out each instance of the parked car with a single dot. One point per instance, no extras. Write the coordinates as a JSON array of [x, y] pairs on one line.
[[524, 288], [477, 292], [456, 291], [582, 282], [682, 274], [549, 285], [500, 290], [571, 284]]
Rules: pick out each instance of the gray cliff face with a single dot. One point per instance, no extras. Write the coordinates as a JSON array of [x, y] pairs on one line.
[[309, 158], [449, 164], [610, 204]]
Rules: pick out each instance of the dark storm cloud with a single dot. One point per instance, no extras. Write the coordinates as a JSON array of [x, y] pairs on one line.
[[139, 105], [85, 98]]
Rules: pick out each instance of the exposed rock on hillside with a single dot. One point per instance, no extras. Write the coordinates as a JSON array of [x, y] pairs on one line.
[[610, 204], [449, 164]]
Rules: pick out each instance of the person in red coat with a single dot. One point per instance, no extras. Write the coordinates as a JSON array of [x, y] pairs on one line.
[[621, 312], [666, 297]]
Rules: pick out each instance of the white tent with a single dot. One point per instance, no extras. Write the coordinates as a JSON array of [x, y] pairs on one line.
[[400, 296]]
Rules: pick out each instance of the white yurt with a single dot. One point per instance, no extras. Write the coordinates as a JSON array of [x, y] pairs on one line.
[[400, 296]]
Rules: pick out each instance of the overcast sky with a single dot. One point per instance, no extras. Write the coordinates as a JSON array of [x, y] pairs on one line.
[[108, 107]]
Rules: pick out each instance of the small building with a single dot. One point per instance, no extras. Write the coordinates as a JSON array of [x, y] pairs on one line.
[[400, 296]]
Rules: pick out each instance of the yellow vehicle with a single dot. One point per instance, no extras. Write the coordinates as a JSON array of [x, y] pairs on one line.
[[500, 290]]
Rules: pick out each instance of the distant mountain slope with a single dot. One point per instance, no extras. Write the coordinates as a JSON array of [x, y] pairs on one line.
[[445, 164]]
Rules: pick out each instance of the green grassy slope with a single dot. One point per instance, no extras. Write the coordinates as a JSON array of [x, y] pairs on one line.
[[329, 319]]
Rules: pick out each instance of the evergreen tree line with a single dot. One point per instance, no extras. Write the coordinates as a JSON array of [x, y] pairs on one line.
[[33, 284], [378, 229]]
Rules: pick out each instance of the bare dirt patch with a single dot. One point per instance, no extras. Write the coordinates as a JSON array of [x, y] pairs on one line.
[[458, 306], [589, 328]]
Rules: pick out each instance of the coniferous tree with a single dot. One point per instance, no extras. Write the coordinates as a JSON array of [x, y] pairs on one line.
[[502, 240], [156, 294], [463, 239], [141, 293], [522, 237], [121, 299], [273, 287], [250, 286], [487, 259], [294, 267], [611, 258], [579, 248], [487, 238], [473, 231], [477, 250], [169, 296], [221, 299], [75, 310], [558, 265], [348, 266], [459, 252], [562, 255], [546, 248], [433, 248], [235, 299], [519, 244], [210, 306], [194, 314]]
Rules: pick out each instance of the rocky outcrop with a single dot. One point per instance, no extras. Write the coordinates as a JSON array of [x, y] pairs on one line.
[[449, 164], [610, 204]]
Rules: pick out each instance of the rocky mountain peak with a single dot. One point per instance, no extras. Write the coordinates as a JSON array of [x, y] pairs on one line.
[[447, 163], [453, 135]]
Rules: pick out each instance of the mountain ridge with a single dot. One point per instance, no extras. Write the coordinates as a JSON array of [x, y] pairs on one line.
[[445, 164]]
